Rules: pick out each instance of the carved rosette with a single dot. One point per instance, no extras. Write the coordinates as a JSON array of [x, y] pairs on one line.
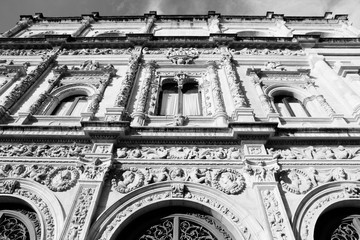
[[216, 89], [80, 213], [295, 181], [127, 179], [127, 84], [228, 181], [62, 179], [233, 81], [143, 93]]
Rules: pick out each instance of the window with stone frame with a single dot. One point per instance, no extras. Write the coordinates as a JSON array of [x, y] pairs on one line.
[[179, 99], [71, 106], [288, 106]]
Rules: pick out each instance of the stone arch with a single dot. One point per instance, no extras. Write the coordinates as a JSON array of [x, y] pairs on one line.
[[71, 89], [237, 220], [318, 201], [308, 100], [38, 198]]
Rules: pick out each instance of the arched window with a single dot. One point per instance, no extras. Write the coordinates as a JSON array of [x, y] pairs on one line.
[[71, 106], [175, 100], [288, 106], [165, 224]]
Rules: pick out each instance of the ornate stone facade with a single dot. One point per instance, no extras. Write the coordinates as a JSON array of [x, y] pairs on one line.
[[180, 127]]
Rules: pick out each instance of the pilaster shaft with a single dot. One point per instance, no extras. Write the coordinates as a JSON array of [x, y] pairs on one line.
[[17, 28], [264, 99], [340, 89]]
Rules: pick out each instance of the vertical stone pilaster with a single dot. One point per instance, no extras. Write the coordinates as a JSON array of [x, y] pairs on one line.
[[128, 82], [220, 114], [142, 94], [21, 88], [277, 225], [84, 24], [264, 99], [79, 219], [149, 24], [339, 88], [17, 28]]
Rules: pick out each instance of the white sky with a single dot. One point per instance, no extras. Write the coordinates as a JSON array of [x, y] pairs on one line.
[[10, 10]]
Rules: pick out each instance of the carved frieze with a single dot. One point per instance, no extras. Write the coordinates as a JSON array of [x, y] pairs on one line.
[[316, 153], [265, 51], [179, 153], [96, 51], [24, 52], [227, 180], [44, 150]]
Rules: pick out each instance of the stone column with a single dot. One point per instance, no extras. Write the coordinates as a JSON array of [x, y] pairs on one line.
[[149, 24], [84, 24], [21, 88], [17, 28], [336, 84], [220, 114], [142, 94]]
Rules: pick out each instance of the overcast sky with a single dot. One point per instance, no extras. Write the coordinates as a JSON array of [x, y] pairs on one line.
[[10, 10]]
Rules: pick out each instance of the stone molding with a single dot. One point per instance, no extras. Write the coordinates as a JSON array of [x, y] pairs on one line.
[[243, 225], [41, 200]]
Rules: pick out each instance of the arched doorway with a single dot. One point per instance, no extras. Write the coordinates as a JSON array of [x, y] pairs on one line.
[[341, 223], [175, 223]]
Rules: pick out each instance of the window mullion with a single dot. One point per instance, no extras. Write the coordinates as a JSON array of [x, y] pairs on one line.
[[176, 230], [288, 107]]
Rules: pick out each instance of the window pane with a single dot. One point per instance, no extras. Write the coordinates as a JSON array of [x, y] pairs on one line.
[[281, 109], [297, 108], [62, 108], [79, 107], [169, 103], [191, 105]]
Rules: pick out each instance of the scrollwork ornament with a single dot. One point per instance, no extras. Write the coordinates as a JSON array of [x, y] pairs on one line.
[[127, 179], [228, 181], [62, 178]]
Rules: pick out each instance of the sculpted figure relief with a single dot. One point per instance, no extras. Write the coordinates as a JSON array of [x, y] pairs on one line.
[[44, 150], [179, 153], [128, 179], [316, 153]]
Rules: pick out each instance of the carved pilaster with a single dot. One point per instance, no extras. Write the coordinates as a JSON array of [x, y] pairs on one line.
[[219, 105], [78, 221], [322, 101], [214, 24], [142, 95], [20, 89], [149, 24], [233, 81], [264, 99], [154, 88], [39, 105], [128, 82], [278, 225], [84, 24], [17, 28]]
